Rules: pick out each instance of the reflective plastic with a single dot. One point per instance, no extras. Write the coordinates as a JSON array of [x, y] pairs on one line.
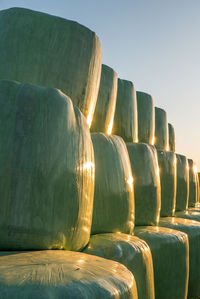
[[106, 102], [182, 190], [172, 141], [193, 184], [63, 274], [51, 51], [146, 177], [161, 129], [114, 195], [46, 170], [170, 253], [130, 251]]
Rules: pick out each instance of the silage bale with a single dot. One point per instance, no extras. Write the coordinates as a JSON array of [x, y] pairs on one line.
[[146, 118], [192, 229], [130, 251], [172, 141], [114, 195], [161, 129], [192, 184], [46, 170], [106, 101], [50, 51], [182, 190], [125, 121], [146, 178], [167, 169], [170, 253], [63, 274]]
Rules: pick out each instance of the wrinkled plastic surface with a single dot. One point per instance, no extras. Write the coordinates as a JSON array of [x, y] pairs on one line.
[[182, 190], [192, 229], [125, 121], [146, 178], [170, 253], [46, 170], [189, 214], [193, 185], [51, 51], [63, 274], [167, 169], [130, 251], [172, 141], [146, 118], [114, 195], [161, 129], [106, 102]]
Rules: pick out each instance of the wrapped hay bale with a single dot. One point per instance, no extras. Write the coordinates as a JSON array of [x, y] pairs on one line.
[[46, 170], [63, 274], [130, 251], [182, 190], [106, 101], [146, 118], [167, 167], [193, 196], [146, 178], [161, 129], [170, 253], [125, 121], [172, 141], [114, 195], [50, 51], [192, 229]]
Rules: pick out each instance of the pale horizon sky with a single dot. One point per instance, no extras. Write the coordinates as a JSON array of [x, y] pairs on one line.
[[155, 44]]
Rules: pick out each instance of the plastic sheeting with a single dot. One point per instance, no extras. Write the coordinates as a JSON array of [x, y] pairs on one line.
[[51, 51], [125, 121], [192, 229], [146, 177], [172, 141], [106, 102], [161, 129], [146, 118], [193, 185], [182, 190], [63, 274], [170, 253], [167, 167], [130, 251], [114, 195], [47, 170]]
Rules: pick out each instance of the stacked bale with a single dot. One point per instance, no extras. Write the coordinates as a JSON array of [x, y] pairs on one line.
[[146, 118], [172, 142], [47, 170], [161, 129], [193, 185], [63, 274], [125, 122], [182, 191], [51, 51], [106, 102]]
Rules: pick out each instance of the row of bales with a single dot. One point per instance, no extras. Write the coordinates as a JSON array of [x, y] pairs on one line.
[[88, 167]]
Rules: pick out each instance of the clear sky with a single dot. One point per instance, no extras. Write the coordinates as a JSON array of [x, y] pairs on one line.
[[155, 44]]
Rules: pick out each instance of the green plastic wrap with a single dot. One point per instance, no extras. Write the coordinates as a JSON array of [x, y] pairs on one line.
[[63, 274], [46, 170], [192, 229], [114, 195], [146, 118], [146, 178], [167, 169], [125, 121], [172, 141], [50, 51], [106, 102], [170, 253], [193, 185], [130, 251], [182, 190], [161, 129]]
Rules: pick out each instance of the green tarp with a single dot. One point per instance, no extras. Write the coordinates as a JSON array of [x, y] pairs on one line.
[[172, 141], [161, 129], [193, 184], [182, 190]]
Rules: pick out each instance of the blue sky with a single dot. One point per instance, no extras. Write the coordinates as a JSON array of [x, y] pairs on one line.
[[155, 44]]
